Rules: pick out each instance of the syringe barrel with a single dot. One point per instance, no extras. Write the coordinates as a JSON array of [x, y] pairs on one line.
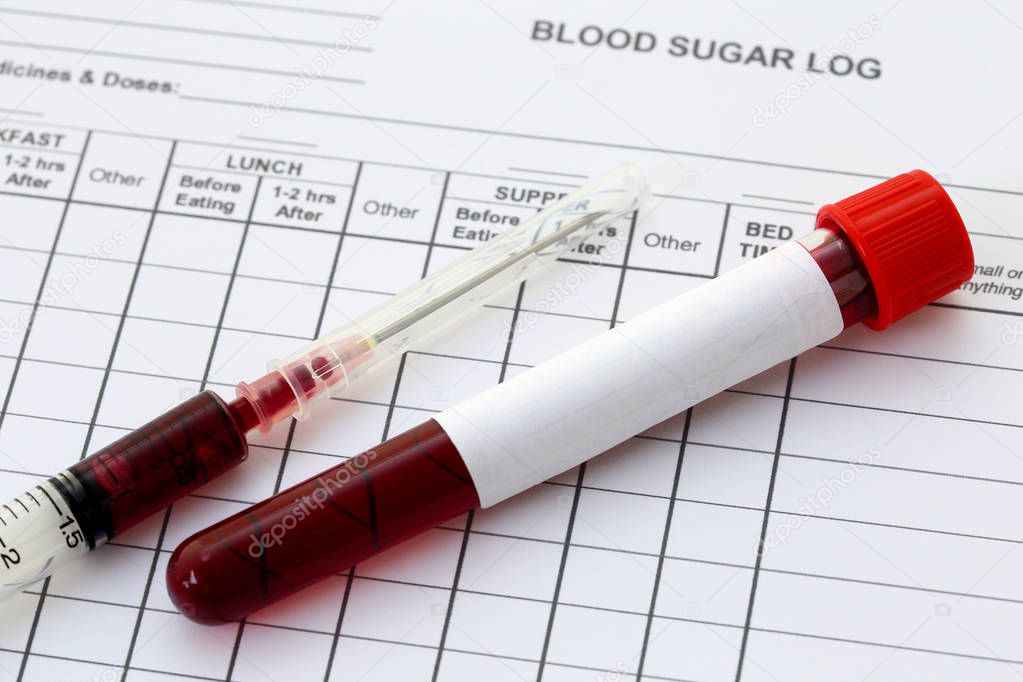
[[521, 432], [328, 365], [149, 468]]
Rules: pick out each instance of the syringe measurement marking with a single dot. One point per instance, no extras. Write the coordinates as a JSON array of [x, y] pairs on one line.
[[32, 530], [10, 556], [106, 465], [77, 535], [43, 491]]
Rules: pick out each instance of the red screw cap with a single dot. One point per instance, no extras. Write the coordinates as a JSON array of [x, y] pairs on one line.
[[912, 241]]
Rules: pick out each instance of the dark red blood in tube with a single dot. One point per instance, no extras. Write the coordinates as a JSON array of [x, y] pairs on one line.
[[844, 270], [321, 526]]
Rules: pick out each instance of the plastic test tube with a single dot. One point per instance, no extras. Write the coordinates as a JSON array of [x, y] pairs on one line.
[[874, 257], [112, 490]]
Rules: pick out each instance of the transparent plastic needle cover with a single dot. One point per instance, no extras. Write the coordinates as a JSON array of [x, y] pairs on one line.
[[329, 364]]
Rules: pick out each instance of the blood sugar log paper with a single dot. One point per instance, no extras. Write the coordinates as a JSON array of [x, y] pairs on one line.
[[190, 188]]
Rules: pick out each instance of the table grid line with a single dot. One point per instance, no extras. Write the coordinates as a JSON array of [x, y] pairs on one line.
[[578, 487], [591, 607], [103, 385], [290, 441], [766, 519], [126, 667], [413, 408], [665, 537], [468, 358], [206, 372], [402, 364], [13, 380], [466, 534]]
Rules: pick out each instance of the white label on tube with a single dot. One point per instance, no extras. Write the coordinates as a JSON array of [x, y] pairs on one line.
[[563, 412]]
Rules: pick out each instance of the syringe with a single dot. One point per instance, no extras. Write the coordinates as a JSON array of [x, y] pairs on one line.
[[110, 491]]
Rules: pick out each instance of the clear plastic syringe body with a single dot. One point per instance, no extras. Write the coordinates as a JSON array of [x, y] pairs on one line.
[[329, 364], [149, 468]]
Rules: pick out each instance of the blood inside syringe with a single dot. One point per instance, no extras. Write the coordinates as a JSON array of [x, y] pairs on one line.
[[281, 393], [193, 443]]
